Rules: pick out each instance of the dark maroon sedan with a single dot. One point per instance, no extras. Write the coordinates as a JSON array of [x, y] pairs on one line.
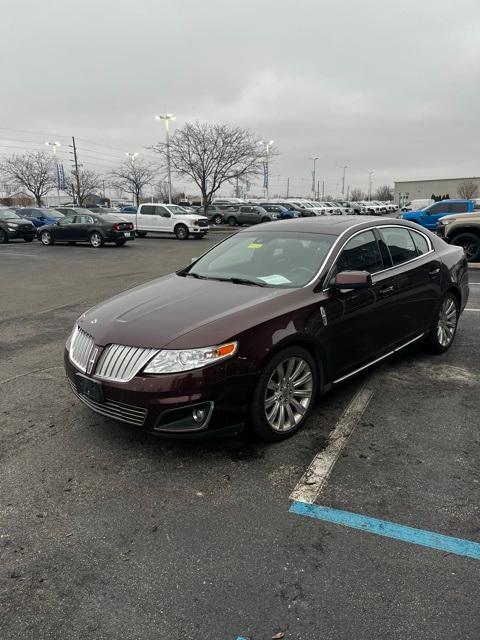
[[253, 330]]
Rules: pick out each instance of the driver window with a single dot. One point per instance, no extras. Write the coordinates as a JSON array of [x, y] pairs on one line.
[[361, 253]]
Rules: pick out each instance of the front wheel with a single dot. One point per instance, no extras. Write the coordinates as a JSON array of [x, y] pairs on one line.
[[96, 240], [471, 245], [443, 329], [181, 231], [46, 238], [3, 236], [284, 395], [217, 220]]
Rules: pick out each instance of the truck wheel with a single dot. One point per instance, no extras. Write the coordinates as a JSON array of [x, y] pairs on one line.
[[181, 231], [141, 234], [470, 243]]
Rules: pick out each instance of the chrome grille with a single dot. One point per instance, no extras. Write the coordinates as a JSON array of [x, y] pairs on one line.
[[115, 410], [81, 348], [120, 363]]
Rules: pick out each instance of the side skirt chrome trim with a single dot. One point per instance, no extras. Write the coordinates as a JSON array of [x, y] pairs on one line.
[[365, 366]]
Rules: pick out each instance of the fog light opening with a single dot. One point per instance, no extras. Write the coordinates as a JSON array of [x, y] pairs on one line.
[[199, 415]]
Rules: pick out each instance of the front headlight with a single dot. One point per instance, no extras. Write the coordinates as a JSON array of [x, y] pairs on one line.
[[12, 225], [445, 222], [175, 361]]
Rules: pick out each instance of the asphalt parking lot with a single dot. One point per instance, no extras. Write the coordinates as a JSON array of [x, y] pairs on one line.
[[110, 533]]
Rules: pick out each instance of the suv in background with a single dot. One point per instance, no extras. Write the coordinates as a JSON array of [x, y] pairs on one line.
[[249, 214], [213, 212], [13, 227], [429, 216], [462, 230]]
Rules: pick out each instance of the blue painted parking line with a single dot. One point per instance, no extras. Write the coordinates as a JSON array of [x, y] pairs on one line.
[[421, 537]]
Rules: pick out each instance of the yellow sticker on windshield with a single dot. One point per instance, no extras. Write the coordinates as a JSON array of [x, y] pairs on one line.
[[255, 245]]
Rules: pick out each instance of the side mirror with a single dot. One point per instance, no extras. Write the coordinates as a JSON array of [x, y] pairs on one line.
[[352, 280]]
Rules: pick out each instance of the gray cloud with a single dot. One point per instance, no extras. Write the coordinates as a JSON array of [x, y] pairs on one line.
[[382, 85]]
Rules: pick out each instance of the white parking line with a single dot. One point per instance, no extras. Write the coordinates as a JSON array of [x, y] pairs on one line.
[[11, 253], [470, 309], [313, 480]]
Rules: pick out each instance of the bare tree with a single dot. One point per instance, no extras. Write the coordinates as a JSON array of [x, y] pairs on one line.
[[213, 154], [133, 175], [357, 194], [384, 193], [88, 181], [467, 189], [33, 171]]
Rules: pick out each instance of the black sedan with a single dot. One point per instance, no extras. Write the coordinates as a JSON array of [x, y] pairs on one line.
[[92, 228], [13, 227]]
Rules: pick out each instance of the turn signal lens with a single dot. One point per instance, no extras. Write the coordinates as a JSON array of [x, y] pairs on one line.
[[175, 361]]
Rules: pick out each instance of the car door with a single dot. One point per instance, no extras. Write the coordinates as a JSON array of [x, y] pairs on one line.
[[430, 216], [82, 228], [63, 230], [351, 331], [411, 287], [147, 218], [164, 219]]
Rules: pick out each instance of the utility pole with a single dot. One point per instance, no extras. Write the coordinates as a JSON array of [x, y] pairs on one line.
[[314, 175], [318, 189], [323, 189], [370, 174], [76, 170]]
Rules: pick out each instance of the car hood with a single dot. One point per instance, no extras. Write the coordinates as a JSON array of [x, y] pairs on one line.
[[182, 312], [456, 216], [412, 215], [18, 221]]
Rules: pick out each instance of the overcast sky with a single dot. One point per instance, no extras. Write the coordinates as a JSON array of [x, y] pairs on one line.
[[377, 85]]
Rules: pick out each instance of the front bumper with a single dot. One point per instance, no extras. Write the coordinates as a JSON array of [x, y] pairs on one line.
[[21, 233], [162, 404]]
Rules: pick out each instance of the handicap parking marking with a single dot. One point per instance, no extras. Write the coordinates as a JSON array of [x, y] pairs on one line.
[[315, 477], [422, 537]]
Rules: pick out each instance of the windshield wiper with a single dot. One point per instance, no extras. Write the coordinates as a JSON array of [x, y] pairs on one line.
[[242, 281], [197, 275]]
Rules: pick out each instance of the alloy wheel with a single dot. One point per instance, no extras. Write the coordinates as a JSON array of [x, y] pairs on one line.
[[447, 322], [471, 249], [96, 240], [288, 394], [46, 238]]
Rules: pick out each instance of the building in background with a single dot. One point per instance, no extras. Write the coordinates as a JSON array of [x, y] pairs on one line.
[[408, 190]]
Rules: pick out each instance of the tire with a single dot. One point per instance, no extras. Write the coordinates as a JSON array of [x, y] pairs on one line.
[[120, 242], [232, 221], [3, 236], [46, 238], [273, 402], [470, 243], [141, 234], [28, 239], [96, 240], [218, 219], [181, 232], [442, 332], [265, 219]]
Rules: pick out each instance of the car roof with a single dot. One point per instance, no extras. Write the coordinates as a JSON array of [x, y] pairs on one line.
[[334, 225]]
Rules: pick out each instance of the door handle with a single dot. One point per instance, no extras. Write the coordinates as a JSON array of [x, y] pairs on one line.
[[434, 272], [385, 291]]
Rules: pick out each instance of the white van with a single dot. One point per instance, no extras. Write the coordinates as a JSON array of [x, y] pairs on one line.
[[167, 218]]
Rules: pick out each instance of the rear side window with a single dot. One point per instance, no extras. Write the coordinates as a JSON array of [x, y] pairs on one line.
[[361, 253], [420, 242], [147, 210], [400, 245], [458, 207]]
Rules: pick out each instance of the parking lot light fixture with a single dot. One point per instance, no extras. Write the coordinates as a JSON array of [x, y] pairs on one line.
[[54, 146], [167, 118], [267, 146], [131, 156]]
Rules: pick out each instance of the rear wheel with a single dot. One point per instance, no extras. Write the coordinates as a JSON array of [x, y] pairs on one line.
[[284, 395], [3, 236], [120, 242], [232, 221], [96, 240], [141, 234], [46, 238], [444, 327], [470, 243], [181, 231]]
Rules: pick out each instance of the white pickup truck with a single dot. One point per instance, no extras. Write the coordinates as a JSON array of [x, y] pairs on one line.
[[167, 218]]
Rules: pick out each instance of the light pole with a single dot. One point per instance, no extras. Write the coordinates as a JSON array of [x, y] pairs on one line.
[[370, 180], [54, 146], [345, 167], [267, 146], [314, 175], [167, 118]]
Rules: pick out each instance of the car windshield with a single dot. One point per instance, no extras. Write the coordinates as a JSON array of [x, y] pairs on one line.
[[7, 214], [176, 209], [285, 260]]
